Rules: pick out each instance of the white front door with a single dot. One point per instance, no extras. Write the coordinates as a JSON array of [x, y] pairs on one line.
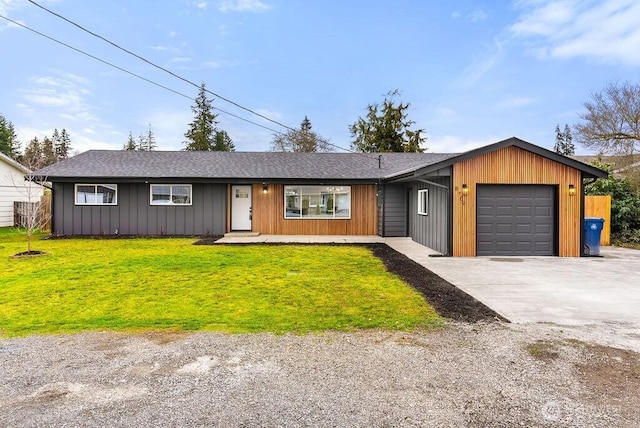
[[240, 207]]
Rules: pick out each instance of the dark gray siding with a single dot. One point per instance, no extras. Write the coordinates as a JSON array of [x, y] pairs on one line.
[[431, 230], [393, 221], [134, 216]]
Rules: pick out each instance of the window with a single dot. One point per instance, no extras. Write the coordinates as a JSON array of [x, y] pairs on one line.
[[320, 202], [96, 194], [423, 201], [171, 194]]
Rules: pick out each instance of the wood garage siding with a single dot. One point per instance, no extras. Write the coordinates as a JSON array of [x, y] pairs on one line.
[[268, 214], [133, 215], [512, 165]]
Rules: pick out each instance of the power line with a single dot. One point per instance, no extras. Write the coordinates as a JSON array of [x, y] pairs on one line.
[[158, 66], [131, 73]]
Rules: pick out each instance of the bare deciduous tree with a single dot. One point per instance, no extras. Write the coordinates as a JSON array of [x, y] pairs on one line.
[[32, 211], [612, 121]]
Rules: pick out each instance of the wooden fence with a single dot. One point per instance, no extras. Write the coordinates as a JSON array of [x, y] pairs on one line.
[[600, 206], [21, 210]]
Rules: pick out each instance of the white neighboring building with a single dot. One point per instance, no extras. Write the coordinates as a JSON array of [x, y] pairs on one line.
[[13, 187]]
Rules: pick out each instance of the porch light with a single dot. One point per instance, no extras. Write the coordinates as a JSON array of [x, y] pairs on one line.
[[465, 189], [572, 190], [265, 188]]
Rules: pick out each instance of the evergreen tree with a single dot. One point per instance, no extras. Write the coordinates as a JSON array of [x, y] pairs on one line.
[[222, 142], [569, 147], [48, 152], [564, 141], [64, 145], [202, 130], [9, 144], [386, 129], [302, 140], [147, 142], [33, 153], [131, 143], [559, 146]]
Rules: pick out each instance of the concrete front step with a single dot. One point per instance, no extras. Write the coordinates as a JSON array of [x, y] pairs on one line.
[[241, 234]]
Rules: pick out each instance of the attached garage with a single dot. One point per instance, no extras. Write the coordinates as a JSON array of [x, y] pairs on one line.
[[516, 220]]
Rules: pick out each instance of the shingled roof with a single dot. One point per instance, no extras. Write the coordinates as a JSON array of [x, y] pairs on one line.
[[123, 164]]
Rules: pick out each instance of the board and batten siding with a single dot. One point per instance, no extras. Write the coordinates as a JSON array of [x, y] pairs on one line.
[[393, 221], [268, 214], [133, 215], [431, 230], [512, 165], [13, 188]]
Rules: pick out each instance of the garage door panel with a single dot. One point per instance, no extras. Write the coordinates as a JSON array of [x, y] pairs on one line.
[[515, 220]]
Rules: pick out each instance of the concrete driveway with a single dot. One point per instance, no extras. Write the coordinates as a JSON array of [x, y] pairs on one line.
[[566, 291]]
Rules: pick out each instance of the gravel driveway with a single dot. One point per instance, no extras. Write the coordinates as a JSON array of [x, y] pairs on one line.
[[488, 374]]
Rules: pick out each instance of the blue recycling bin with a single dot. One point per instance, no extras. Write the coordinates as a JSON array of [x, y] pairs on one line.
[[592, 230]]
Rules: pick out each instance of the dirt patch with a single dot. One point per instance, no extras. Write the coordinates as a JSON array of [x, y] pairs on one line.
[[610, 374], [448, 300], [32, 253]]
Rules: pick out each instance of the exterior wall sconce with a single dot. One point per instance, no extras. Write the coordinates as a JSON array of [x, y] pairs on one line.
[[572, 190], [265, 188], [465, 190]]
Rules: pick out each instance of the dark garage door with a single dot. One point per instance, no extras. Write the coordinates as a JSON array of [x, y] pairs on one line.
[[515, 220]]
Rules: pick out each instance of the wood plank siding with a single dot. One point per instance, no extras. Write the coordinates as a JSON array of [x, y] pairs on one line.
[[512, 165], [268, 214]]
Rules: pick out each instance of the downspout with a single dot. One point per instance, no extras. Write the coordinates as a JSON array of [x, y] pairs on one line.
[[383, 211]]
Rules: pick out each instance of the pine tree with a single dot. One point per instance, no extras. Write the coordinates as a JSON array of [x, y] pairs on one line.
[[569, 147], [223, 143], [202, 130], [64, 145], [130, 144], [559, 146], [9, 144], [148, 141], [386, 129], [33, 153], [48, 152]]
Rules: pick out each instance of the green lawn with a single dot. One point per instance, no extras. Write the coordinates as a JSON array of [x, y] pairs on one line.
[[137, 284]]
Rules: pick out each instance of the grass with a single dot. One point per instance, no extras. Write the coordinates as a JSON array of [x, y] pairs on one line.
[[139, 284]]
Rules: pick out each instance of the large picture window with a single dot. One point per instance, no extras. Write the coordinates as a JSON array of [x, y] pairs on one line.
[[170, 194], [320, 202], [96, 194]]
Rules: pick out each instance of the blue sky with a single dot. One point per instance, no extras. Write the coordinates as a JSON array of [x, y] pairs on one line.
[[474, 72]]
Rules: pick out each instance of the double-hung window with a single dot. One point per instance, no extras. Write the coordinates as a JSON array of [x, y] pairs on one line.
[[170, 194], [317, 202], [96, 194]]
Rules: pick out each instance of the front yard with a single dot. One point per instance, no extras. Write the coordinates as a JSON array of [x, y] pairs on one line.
[[138, 284]]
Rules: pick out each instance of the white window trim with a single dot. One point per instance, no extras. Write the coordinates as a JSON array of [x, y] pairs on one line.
[[110, 186], [423, 201], [170, 203], [318, 217]]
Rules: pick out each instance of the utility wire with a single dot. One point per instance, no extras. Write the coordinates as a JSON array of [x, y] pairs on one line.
[[158, 66], [131, 73]]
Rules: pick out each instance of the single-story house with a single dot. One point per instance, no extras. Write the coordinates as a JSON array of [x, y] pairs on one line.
[[14, 188], [507, 198]]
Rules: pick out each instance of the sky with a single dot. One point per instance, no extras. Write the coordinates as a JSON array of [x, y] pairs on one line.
[[473, 72]]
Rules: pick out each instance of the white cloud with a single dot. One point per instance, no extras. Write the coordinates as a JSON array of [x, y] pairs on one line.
[[66, 93], [180, 59], [173, 33], [516, 102], [606, 31], [477, 15], [243, 6], [202, 5], [491, 56]]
